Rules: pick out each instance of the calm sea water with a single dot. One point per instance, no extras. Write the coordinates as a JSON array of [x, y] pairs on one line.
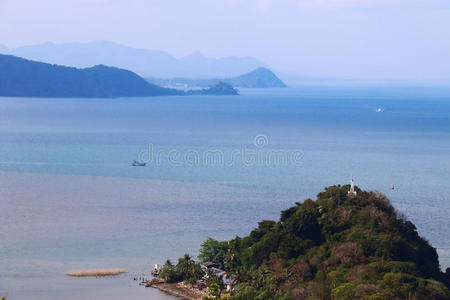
[[216, 165]]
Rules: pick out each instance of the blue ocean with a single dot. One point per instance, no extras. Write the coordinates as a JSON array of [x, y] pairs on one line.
[[215, 166]]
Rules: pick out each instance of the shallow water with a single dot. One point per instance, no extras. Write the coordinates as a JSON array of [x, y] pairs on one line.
[[55, 223], [71, 200]]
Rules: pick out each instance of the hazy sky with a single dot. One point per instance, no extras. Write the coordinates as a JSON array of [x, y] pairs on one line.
[[384, 39]]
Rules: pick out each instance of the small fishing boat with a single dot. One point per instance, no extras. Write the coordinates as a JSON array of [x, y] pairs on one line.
[[136, 163]]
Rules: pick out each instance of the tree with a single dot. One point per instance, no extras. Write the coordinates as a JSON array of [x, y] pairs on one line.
[[214, 292], [168, 263], [170, 274], [191, 281], [186, 269], [211, 279], [213, 250], [184, 265], [195, 271]]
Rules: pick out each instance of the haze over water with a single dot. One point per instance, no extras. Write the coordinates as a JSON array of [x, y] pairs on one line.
[[71, 200]]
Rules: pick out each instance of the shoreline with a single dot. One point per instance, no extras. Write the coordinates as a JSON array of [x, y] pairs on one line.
[[179, 290]]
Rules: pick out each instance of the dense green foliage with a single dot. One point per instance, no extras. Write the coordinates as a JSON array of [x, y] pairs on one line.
[[214, 293], [336, 247], [24, 78], [190, 272], [213, 250], [185, 270]]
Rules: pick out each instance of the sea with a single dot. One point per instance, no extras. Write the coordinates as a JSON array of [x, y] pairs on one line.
[[70, 198]]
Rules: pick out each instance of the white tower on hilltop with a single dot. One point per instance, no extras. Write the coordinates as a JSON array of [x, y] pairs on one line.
[[352, 192]]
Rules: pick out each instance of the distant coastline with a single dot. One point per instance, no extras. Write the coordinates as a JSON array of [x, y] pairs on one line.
[[20, 77], [258, 78]]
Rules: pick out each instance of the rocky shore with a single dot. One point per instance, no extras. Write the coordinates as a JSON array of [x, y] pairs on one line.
[[180, 289]]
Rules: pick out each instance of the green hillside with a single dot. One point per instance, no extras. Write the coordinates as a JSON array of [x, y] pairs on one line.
[[25, 78], [334, 247]]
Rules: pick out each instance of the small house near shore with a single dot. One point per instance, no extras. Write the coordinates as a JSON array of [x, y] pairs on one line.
[[217, 269]]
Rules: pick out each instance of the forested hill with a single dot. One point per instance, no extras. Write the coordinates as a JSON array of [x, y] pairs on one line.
[[24, 78], [334, 247], [259, 78]]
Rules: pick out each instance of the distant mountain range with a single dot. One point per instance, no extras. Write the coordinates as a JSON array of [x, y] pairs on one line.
[[20, 77], [146, 63], [259, 78]]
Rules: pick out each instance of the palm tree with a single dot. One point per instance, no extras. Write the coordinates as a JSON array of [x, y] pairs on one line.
[[168, 263], [185, 263]]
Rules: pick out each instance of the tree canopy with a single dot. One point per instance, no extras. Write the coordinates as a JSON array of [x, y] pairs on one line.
[[336, 247]]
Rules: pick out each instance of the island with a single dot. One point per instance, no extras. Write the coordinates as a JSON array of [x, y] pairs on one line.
[[220, 88], [346, 244], [258, 78], [20, 77]]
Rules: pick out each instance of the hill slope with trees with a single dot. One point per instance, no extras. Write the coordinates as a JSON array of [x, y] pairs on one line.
[[24, 78], [334, 247]]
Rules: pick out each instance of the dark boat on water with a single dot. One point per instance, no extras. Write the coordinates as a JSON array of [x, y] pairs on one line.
[[138, 164]]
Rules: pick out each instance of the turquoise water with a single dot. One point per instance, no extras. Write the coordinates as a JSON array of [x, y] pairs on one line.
[[78, 203]]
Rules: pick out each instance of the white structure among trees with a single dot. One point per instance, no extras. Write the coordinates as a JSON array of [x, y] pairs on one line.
[[352, 192]]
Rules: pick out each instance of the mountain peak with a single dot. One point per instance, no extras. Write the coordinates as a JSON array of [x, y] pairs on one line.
[[261, 78], [261, 69]]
